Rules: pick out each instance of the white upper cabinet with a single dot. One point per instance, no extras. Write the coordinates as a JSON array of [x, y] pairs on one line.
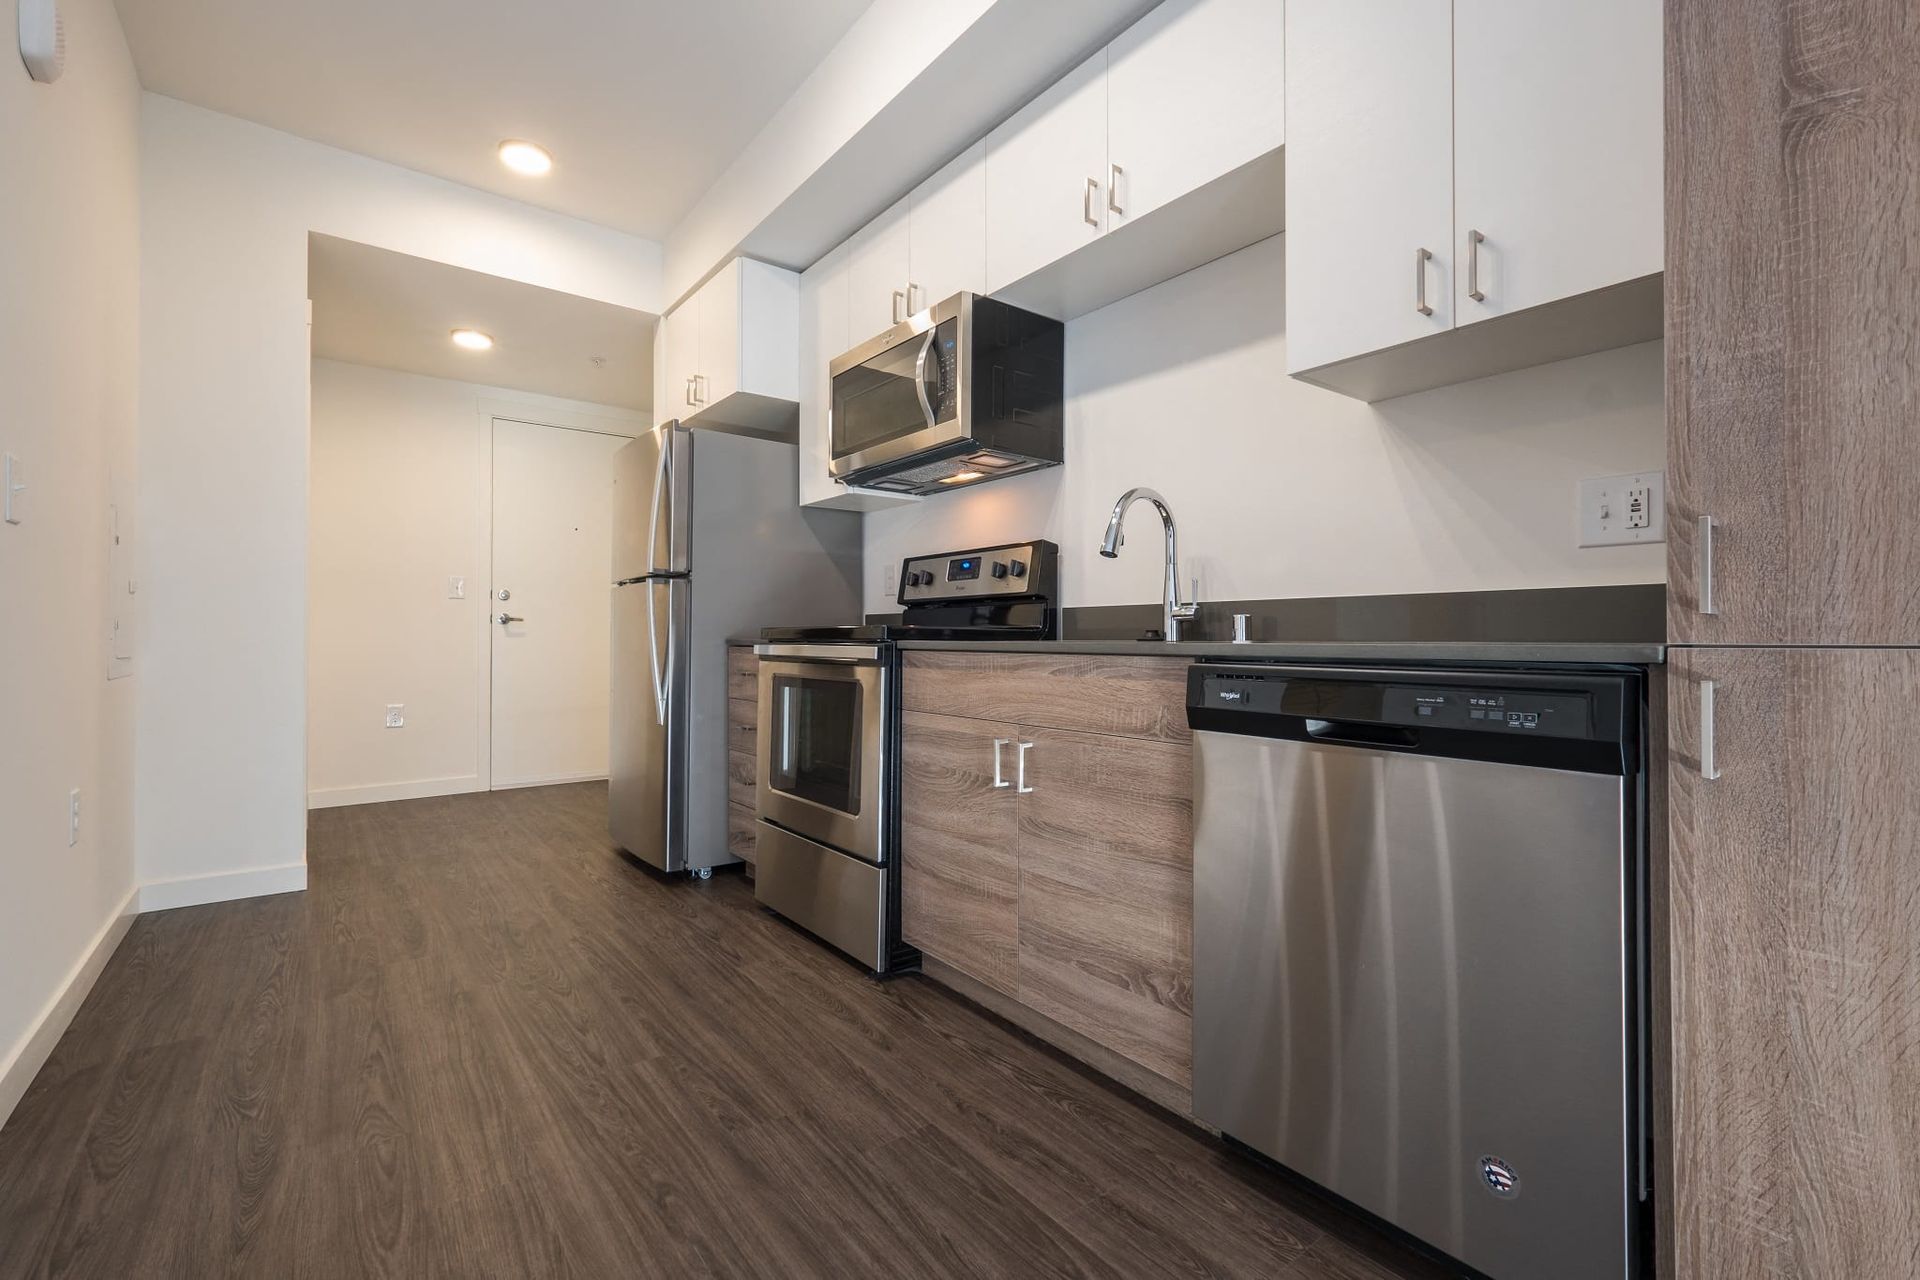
[[1194, 90], [1369, 176], [1047, 176], [718, 374], [947, 231], [878, 266], [1557, 151], [730, 352], [1517, 141]]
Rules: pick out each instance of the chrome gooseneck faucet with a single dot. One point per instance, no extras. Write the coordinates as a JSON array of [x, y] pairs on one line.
[[1176, 611]]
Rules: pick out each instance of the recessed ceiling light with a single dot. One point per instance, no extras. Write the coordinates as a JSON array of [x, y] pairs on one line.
[[525, 157], [471, 339]]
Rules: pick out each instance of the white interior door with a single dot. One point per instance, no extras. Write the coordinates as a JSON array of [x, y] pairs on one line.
[[552, 558]]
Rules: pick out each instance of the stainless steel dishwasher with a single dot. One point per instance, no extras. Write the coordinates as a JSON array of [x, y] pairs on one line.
[[1419, 949]]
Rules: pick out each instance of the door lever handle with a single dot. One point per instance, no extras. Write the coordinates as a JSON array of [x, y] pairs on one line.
[[504, 618]]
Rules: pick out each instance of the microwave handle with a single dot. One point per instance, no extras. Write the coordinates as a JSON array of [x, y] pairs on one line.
[[920, 373]]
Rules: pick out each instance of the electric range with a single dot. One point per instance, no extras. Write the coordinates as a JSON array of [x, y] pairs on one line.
[[828, 756]]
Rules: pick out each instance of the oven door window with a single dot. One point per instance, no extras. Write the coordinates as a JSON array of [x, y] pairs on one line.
[[816, 754], [906, 388]]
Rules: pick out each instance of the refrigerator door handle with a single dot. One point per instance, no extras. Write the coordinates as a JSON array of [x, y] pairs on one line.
[[653, 656], [653, 521]]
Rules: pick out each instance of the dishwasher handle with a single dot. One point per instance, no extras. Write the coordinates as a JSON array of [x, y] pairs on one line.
[[1351, 733]]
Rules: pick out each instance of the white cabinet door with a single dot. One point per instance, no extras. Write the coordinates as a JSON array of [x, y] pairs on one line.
[[877, 270], [947, 231], [1369, 176], [823, 335], [718, 371], [1047, 176], [681, 354], [1194, 90], [1557, 149]]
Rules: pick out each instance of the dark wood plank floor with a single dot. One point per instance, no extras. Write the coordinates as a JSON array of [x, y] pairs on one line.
[[484, 1044]]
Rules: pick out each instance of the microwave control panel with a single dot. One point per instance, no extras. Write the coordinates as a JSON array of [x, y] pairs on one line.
[[1017, 569]]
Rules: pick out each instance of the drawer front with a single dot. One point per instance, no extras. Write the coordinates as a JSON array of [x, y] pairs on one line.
[[1144, 697], [743, 674]]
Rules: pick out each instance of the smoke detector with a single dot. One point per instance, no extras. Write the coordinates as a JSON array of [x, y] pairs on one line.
[[43, 39]]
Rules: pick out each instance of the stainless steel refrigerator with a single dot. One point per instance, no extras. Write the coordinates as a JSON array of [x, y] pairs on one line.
[[708, 542]]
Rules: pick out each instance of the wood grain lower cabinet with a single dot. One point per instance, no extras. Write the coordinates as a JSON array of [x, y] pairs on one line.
[[1105, 840], [959, 877], [743, 731], [1794, 921], [1055, 865]]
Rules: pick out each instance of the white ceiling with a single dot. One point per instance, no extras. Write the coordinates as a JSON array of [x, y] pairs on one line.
[[376, 307], [642, 102]]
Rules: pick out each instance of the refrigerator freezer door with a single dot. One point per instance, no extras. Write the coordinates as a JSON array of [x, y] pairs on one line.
[[649, 523], [646, 802]]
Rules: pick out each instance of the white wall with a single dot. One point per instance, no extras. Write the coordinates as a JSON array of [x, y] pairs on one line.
[[402, 500], [69, 298], [1284, 490], [226, 210]]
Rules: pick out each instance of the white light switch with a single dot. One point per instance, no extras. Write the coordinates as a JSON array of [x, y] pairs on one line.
[[73, 817], [456, 588], [1623, 510], [11, 487]]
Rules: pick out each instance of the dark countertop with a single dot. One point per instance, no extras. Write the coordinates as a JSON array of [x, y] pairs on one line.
[[1509, 653], [1327, 651]]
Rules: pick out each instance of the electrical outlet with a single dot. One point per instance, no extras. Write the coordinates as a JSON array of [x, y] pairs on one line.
[[73, 817], [1623, 510], [396, 715]]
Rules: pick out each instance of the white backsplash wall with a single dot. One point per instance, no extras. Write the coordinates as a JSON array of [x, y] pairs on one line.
[[1284, 490]]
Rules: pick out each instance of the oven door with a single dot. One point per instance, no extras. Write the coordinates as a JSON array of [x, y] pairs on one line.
[[822, 751], [901, 394]]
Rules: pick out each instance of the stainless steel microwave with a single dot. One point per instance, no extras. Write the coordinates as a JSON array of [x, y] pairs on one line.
[[963, 392]]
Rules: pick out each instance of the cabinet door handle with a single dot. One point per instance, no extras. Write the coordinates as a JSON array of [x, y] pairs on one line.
[[1420, 259], [1086, 201], [899, 301], [1704, 546], [689, 389], [1114, 174], [999, 778], [1020, 770], [1709, 765], [911, 286], [1474, 241]]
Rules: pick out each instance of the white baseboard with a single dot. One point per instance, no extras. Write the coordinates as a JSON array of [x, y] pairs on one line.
[[222, 886], [24, 1060], [334, 797], [557, 781]]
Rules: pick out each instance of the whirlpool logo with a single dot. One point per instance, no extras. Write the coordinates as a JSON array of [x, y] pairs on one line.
[[1499, 1177]]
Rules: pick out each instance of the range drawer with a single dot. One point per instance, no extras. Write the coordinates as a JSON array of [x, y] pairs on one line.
[[1125, 697]]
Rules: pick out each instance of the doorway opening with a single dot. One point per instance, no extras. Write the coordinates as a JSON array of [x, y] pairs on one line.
[[460, 529]]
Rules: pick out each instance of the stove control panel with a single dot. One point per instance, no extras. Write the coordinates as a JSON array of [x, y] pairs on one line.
[[1015, 569]]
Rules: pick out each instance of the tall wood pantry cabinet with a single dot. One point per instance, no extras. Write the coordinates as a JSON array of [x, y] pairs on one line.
[[1791, 1043]]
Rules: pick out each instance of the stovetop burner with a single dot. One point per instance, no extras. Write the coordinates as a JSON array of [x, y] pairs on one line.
[[990, 593]]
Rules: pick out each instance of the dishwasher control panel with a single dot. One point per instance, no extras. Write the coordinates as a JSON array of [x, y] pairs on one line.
[[1545, 713]]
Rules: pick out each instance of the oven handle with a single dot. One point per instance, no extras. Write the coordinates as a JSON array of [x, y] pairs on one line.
[[847, 653], [920, 375]]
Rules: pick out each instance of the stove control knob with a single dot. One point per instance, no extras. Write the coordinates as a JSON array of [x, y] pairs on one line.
[[1018, 568], [999, 569]]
